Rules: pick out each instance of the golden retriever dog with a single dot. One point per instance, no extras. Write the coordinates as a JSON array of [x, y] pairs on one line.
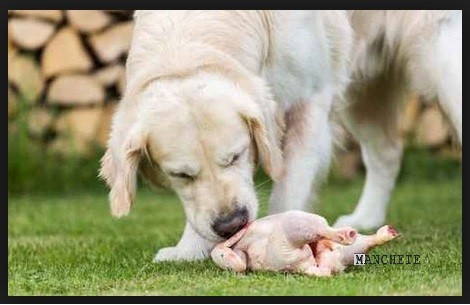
[[210, 94]]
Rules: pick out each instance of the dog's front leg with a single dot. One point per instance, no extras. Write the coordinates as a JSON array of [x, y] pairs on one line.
[[307, 149], [191, 247]]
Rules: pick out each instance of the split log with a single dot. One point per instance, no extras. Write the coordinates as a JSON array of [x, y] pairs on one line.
[[431, 128], [112, 43], [88, 21], [39, 121], [76, 130], [109, 75], [75, 89], [51, 15], [66, 147], [65, 53], [25, 75], [30, 34]]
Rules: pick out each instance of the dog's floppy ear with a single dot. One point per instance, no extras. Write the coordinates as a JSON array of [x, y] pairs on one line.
[[120, 163], [151, 172], [266, 125]]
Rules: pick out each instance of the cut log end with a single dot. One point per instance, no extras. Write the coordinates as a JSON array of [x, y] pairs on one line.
[[24, 73], [65, 53], [76, 130], [39, 121], [30, 34], [88, 21], [109, 75], [112, 43], [51, 15], [75, 89]]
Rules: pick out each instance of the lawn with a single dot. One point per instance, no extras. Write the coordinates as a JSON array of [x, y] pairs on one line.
[[70, 245]]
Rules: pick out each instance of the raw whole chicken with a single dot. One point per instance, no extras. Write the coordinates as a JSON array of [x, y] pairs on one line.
[[298, 242]]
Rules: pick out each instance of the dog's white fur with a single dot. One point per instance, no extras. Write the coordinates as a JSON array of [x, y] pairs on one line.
[[201, 89], [397, 52]]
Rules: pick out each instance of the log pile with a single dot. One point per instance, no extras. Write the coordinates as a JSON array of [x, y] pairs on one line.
[[67, 67]]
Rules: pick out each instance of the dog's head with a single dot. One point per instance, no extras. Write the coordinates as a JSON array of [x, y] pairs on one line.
[[203, 134]]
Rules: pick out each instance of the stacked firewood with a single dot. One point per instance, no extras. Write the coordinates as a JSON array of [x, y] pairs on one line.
[[69, 67], [66, 69]]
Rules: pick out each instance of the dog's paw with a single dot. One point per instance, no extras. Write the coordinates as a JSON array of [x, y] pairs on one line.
[[359, 222], [177, 254], [166, 254]]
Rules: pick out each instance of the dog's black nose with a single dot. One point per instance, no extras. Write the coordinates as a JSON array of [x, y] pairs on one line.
[[227, 225]]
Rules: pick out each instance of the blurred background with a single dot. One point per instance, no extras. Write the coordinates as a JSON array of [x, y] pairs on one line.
[[65, 78]]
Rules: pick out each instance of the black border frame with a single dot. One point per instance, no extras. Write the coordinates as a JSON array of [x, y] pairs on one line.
[[334, 4]]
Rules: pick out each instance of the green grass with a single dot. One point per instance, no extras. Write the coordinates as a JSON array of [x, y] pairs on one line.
[[68, 244], [32, 168]]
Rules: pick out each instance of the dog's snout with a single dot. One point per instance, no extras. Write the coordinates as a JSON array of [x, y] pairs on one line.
[[227, 225]]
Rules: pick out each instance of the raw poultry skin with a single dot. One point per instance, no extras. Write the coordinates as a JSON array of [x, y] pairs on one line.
[[298, 242]]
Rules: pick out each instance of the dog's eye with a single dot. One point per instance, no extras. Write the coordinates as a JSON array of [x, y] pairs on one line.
[[182, 176], [234, 159]]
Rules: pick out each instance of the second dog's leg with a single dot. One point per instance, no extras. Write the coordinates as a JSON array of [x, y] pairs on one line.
[[448, 53], [382, 158], [307, 150], [372, 118]]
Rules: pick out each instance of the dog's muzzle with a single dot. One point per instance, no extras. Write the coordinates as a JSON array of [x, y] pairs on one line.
[[227, 225]]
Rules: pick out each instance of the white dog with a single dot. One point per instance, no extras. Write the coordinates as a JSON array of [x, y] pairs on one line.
[[209, 93]]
